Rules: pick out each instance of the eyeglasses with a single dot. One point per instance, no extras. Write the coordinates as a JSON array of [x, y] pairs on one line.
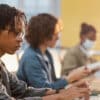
[[18, 35], [19, 27]]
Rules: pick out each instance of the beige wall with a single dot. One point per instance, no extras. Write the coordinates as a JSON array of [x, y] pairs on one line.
[[74, 12]]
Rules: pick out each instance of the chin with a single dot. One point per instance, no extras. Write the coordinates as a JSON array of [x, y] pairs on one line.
[[52, 46], [11, 52]]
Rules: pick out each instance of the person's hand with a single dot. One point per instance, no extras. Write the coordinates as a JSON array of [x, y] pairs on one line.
[[81, 83], [87, 96], [84, 83], [72, 93], [95, 70], [78, 74], [50, 91]]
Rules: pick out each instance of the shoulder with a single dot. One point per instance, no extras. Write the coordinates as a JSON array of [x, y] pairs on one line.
[[73, 50], [29, 53], [29, 57]]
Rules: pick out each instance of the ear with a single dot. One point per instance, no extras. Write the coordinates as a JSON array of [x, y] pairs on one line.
[[82, 38]]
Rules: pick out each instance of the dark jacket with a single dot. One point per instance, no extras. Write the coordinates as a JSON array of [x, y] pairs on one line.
[[13, 89]]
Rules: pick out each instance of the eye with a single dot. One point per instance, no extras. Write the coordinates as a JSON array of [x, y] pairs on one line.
[[20, 35]]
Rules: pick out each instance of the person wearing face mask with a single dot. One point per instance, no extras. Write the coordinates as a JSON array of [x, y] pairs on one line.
[[81, 54]]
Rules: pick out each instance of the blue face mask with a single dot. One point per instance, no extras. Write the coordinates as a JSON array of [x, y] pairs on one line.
[[88, 44]]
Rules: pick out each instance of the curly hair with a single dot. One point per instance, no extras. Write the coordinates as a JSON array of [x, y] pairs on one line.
[[86, 28], [7, 16], [40, 28]]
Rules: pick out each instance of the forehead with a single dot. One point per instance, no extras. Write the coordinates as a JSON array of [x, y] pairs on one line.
[[59, 26], [19, 24], [90, 35]]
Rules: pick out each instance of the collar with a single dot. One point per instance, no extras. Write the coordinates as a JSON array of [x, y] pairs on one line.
[[88, 53], [38, 51]]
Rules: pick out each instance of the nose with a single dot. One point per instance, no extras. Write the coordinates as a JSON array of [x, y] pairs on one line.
[[20, 39], [57, 37]]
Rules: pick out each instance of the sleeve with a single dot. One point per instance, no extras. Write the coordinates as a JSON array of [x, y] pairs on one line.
[[37, 77], [5, 96], [69, 63]]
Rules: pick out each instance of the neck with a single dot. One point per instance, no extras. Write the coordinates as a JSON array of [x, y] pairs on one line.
[[1, 53], [43, 48], [81, 44]]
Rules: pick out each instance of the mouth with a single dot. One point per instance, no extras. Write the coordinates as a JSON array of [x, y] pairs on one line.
[[17, 47]]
